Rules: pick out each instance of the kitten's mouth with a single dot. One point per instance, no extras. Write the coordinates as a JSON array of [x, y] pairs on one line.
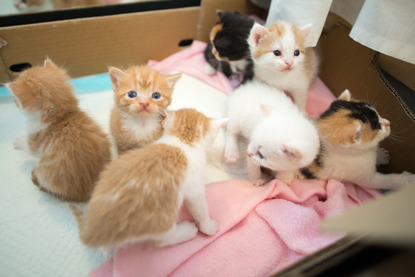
[[286, 69]]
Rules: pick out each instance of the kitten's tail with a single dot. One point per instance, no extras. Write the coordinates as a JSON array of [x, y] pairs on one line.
[[79, 215]]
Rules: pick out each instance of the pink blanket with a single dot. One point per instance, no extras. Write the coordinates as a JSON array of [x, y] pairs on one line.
[[261, 229]]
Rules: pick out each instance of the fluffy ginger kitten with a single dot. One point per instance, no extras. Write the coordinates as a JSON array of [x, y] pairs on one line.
[[350, 132], [141, 96], [139, 195], [281, 60], [71, 147]]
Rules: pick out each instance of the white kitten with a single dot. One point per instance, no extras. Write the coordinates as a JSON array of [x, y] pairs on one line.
[[281, 138], [281, 59]]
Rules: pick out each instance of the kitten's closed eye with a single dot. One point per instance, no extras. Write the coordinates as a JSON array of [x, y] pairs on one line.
[[260, 155]]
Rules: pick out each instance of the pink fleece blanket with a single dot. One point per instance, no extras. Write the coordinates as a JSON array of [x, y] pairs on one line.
[[261, 229]]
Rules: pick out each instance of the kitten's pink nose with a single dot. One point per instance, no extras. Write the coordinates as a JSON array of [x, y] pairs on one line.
[[144, 104], [289, 62], [386, 122]]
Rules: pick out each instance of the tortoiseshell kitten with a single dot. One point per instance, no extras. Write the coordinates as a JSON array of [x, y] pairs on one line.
[[72, 149], [350, 134], [141, 96], [228, 49]]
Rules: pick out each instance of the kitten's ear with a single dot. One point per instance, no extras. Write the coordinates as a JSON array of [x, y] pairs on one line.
[[220, 14], [49, 64], [257, 34], [306, 30], [266, 110], [291, 152], [346, 96], [172, 79], [115, 75]]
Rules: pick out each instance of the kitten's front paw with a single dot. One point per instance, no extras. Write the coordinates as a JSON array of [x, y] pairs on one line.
[[19, 144], [382, 156], [231, 155], [286, 177], [259, 182], [209, 70], [208, 227]]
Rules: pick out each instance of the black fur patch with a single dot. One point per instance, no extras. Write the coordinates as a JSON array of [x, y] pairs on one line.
[[358, 110], [307, 173], [231, 41]]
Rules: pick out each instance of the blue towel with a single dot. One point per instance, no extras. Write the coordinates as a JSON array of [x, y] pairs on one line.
[[87, 84]]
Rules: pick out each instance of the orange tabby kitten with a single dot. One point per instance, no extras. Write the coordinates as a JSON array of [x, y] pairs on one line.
[[141, 96], [71, 148], [139, 195]]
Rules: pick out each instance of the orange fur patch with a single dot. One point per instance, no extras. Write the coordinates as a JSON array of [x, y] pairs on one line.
[[136, 195], [190, 125]]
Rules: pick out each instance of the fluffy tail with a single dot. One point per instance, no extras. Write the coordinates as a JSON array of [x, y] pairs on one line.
[[79, 215]]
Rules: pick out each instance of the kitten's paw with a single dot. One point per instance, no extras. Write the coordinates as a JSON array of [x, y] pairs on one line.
[[209, 70], [19, 144], [286, 177], [382, 157], [208, 227], [259, 182], [231, 155]]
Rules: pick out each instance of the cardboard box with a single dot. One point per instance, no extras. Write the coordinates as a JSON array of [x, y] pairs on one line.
[[88, 46]]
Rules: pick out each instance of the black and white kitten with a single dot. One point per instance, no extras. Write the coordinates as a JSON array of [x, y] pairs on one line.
[[228, 49]]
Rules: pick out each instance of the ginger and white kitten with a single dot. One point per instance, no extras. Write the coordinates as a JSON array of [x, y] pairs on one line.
[[281, 59], [139, 195], [72, 149], [350, 134], [280, 137], [141, 96]]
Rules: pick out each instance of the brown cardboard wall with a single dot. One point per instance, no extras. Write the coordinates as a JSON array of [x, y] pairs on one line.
[[88, 46], [347, 64]]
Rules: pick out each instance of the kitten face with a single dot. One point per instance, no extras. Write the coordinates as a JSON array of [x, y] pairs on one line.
[[283, 151], [352, 124], [191, 126], [141, 91], [279, 47], [43, 89]]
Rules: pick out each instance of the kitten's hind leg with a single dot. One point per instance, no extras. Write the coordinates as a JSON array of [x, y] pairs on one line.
[[180, 232], [195, 202], [387, 181]]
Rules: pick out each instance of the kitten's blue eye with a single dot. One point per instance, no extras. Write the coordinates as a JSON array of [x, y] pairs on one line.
[[260, 155], [132, 94], [277, 53], [156, 95], [296, 53]]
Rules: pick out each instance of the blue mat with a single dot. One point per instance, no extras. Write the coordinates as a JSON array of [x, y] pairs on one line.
[[93, 83]]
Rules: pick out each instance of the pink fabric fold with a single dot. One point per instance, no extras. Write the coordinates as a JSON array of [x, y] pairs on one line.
[[262, 230]]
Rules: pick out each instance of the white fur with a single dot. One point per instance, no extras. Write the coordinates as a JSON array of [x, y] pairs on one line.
[[283, 132], [139, 127], [192, 191], [272, 69]]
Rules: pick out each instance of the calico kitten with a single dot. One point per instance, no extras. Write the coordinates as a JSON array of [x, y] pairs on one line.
[[350, 133], [281, 138], [139, 195], [71, 147], [141, 96], [228, 49], [281, 59]]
